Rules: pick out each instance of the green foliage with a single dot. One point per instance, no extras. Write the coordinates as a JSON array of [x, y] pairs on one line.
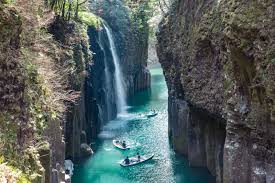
[[23, 179], [58, 9], [89, 19], [26, 157], [7, 1], [2, 159], [35, 95], [141, 12], [66, 9], [12, 174], [273, 61], [8, 138]]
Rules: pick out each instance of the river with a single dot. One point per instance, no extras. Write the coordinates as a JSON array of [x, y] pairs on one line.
[[146, 136]]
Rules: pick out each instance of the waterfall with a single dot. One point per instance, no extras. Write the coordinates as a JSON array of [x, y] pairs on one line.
[[107, 78], [120, 90]]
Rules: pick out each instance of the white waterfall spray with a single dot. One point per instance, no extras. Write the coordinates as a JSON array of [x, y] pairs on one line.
[[107, 78], [119, 81]]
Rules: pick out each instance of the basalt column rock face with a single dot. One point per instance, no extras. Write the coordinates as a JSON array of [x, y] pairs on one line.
[[80, 118], [218, 61], [102, 82], [131, 41], [131, 46], [82, 115], [196, 135]]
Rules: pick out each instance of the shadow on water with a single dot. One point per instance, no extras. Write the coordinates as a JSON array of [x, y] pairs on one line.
[[186, 174], [140, 99]]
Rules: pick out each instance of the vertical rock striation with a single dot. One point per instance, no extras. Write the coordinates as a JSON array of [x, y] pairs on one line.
[[79, 119], [53, 97], [97, 102], [131, 45], [218, 61], [131, 40], [102, 81]]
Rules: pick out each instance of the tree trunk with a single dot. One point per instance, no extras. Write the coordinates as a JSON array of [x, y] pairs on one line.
[[69, 12], [76, 10], [63, 9]]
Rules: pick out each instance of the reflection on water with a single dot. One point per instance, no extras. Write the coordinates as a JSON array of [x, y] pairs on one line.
[[145, 136]]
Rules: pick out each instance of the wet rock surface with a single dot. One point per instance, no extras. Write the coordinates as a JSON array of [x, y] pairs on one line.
[[97, 102], [131, 45], [131, 40], [218, 59]]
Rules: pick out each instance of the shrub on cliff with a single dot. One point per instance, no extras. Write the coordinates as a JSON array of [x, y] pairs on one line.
[[38, 76], [11, 174], [89, 19]]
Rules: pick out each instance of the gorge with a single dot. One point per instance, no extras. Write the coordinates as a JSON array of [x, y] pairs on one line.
[[217, 60], [75, 75], [146, 135]]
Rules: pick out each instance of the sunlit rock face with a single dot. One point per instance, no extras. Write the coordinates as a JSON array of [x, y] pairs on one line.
[[81, 114], [218, 61]]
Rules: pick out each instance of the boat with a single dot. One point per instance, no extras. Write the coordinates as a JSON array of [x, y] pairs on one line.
[[69, 168], [134, 160], [151, 114], [118, 144]]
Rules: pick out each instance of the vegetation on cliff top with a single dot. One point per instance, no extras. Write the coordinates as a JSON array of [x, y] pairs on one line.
[[46, 70], [74, 10], [143, 11], [149, 13], [90, 19]]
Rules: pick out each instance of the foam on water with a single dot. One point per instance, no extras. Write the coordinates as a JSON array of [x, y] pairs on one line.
[[146, 136]]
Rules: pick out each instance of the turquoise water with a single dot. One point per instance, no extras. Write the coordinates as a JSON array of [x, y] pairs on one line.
[[146, 136]]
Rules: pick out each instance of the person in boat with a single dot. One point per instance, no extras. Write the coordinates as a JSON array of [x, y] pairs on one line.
[[123, 144], [138, 156], [67, 172], [127, 161]]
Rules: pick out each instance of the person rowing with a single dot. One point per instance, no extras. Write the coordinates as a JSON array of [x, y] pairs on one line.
[[138, 157], [123, 144], [127, 161], [135, 160]]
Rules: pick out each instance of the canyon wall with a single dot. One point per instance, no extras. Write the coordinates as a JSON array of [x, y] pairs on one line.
[[218, 61], [97, 102], [42, 71], [131, 45], [54, 97], [81, 114], [131, 39]]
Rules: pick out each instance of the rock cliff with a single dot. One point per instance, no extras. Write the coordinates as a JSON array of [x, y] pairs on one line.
[[42, 61], [131, 44], [77, 123], [97, 102], [53, 98], [218, 61], [131, 38]]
